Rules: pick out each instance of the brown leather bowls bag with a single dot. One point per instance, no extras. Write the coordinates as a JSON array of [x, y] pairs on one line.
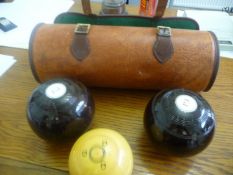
[[125, 57]]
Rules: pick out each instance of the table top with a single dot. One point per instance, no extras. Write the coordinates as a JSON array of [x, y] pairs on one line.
[[23, 152]]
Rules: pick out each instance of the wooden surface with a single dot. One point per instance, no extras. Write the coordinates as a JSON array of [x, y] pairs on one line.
[[22, 152]]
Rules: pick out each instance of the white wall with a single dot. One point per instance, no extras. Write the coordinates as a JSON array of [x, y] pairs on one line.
[[202, 4]]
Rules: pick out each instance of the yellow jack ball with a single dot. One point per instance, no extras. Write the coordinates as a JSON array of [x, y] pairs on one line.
[[101, 152]]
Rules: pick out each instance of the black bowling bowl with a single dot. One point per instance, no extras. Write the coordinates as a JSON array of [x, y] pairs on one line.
[[179, 122], [60, 109]]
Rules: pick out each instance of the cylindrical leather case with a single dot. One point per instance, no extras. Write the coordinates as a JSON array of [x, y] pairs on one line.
[[125, 57]]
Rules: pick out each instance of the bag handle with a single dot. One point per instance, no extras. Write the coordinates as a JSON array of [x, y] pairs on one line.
[[86, 4], [161, 6]]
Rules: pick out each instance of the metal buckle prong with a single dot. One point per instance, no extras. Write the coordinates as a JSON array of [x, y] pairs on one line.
[[82, 28], [164, 31]]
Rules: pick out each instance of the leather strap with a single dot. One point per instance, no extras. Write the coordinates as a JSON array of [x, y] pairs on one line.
[[86, 4], [80, 46], [163, 48]]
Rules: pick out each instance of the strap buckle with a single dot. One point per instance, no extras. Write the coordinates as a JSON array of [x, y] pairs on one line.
[[164, 31], [82, 28]]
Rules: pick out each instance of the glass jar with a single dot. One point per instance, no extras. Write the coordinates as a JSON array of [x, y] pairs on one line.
[[113, 7]]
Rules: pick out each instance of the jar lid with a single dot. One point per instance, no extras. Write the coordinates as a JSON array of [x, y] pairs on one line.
[[101, 152], [113, 3]]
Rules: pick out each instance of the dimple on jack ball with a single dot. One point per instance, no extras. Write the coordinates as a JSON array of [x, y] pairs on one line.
[[179, 122], [60, 109]]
